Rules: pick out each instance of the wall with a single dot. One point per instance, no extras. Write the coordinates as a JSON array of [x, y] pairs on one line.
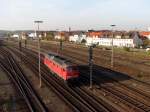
[[108, 42], [77, 38]]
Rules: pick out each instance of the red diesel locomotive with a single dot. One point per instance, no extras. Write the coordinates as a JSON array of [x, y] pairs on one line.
[[62, 67]]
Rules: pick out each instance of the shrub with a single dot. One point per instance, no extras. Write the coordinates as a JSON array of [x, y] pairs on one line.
[[126, 49], [148, 52], [83, 41], [146, 42]]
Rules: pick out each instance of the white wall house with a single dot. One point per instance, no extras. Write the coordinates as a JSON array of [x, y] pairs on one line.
[[148, 28], [77, 38], [118, 36], [149, 37], [91, 40], [23, 37], [134, 42], [15, 36], [57, 37], [32, 35]]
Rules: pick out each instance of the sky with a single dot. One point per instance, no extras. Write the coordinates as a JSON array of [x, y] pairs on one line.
[[77, 14]]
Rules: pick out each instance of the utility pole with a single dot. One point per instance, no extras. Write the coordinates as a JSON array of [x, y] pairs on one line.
[[25, 40], [112, 46], [20, 47], [25, 43], [91, 65], [61, 41], [61, 44], [37, 34]]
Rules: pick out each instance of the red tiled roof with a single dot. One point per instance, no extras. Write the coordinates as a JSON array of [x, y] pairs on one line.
[[144, 33], [95, 34]]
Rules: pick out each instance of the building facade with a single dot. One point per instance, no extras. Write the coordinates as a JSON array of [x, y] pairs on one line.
[[135, 41], [77, 38], [145, 34], [15, 36]]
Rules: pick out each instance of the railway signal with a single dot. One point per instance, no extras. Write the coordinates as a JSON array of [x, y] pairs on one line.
[[20, 48], [61, 44], [38, 22], [61, 40], [25, 43], [20, 45], [91, 64]]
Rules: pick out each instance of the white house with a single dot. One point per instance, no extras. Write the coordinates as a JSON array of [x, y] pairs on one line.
[[77, 38], [15, 36], [145, 34], [32, 35], [148, 28], [149, 37], [118, 36], [57, 37], [133, 42], [23, 37], [91, 40]]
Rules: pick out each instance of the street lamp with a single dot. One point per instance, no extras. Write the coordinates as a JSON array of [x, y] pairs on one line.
[[60, 33], [38, 22], [112, 45]]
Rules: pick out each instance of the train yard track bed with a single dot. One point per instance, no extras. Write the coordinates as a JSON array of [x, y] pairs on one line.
[[112, 91], [10, 100], [32, 101], [52, 101], [124, 62]]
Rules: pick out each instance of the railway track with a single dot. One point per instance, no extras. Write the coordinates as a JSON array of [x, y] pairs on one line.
[[68, 52], [130, 100], [119, 95], [123, 97], [11, 67], [81, 100], [134, 101], [80, 91], [105, 55], [106, 73], [97, 51], [103, 59]]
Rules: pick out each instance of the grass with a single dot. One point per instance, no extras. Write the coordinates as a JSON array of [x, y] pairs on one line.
[[140, 75], [124, 50], [131, 52], [136, 53]]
